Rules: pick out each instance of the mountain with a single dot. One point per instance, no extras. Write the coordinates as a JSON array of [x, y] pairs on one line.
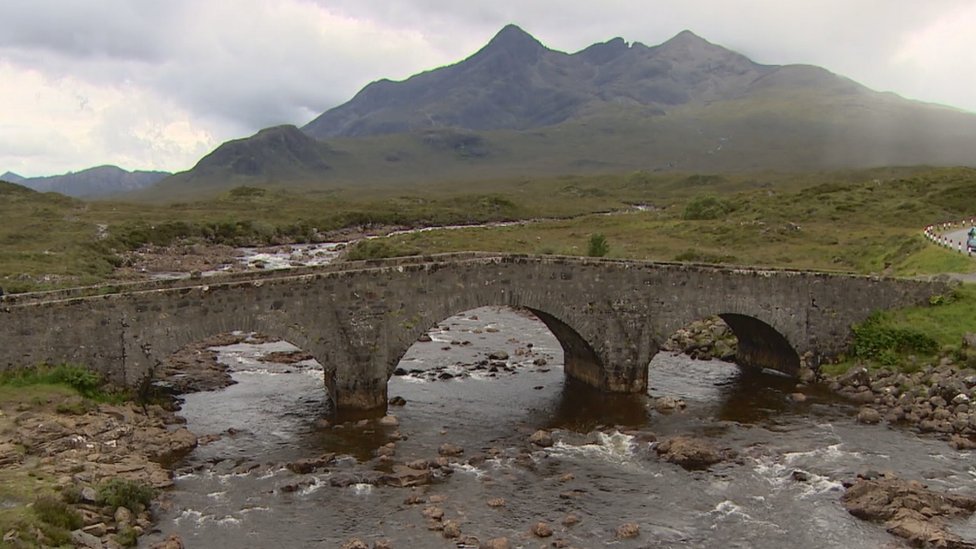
[[279, 153], [517, 109], [517, 83], [11, 177], [91, 183]]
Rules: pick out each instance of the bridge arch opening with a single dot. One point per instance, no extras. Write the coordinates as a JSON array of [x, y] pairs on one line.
[[483, 342], [506, 366], [248, 394], [731, 367], [745, 340], [760, 346]]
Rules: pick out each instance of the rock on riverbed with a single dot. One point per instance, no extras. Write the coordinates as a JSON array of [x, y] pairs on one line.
[[909, 510], [704, 339], [935, 399]]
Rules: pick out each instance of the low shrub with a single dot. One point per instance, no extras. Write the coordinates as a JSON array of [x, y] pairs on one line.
[[120, 492], [706, 207], [598, 246], [57, 513], [127, 536], [877, 341]]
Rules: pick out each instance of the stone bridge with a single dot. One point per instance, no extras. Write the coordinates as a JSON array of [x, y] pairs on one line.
[[358, 319]]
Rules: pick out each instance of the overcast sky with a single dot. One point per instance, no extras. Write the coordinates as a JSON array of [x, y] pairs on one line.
[[153, 84]]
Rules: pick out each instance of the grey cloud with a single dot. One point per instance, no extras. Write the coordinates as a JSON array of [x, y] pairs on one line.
[[239, 65], [122, 29], [219, 60]]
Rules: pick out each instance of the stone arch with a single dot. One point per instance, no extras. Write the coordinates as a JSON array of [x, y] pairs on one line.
[[581, 361], [762, 346], [148, 344]]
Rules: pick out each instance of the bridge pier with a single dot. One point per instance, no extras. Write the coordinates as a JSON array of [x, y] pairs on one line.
[[361, 400]]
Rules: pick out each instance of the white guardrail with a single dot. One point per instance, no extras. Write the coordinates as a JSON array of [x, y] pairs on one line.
[[936, 233]]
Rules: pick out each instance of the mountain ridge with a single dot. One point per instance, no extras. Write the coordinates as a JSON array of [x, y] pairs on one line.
[[516, 82], [516, 108], [94, 182]]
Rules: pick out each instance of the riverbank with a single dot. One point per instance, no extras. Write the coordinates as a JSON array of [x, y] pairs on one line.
[[82, 473], [935, 399], [74, 471], [406, 464]]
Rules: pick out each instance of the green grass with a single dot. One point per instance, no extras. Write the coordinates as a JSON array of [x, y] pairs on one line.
[[865, 221], [946, 323], [57, 513], [19, 490], [934, 260], [77, 379], [907, 339]]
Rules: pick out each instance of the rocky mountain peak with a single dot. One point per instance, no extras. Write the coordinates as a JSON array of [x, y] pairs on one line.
[[11, 177], [604, 52], [512, 44], [687, 44], [514, 40], [686, 38]]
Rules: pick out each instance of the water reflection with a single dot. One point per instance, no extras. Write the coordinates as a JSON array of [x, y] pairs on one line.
[[583, 408], [755, 397]]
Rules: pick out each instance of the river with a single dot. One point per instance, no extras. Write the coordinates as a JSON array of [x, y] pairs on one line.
[[234, 492]]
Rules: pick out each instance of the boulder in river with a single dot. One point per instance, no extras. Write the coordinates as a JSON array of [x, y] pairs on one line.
[[668, 404], [405, 477], [628, 530], [451, 529], [868, 415], [286, 357], [690, 453], [310, 465], [355, 543], [450, 450], [541, 530], [541, 438], [172, 542]]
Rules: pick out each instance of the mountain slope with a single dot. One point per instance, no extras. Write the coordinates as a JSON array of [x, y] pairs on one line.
[[281, 152], [91, 183], [518, 109], [11, 177]]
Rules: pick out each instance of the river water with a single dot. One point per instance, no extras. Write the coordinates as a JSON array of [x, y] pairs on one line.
[[235, 492]]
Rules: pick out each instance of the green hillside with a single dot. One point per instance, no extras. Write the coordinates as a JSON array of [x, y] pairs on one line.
[[865, 221]]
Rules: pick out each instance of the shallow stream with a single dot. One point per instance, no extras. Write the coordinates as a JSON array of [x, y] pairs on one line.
[[235, 492]]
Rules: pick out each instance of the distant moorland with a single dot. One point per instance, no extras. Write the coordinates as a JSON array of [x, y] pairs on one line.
[[866, 221]]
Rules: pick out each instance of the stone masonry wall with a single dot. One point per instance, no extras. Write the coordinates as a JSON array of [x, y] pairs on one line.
[[358, 320]]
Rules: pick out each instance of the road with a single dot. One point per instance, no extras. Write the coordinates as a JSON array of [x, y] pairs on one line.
[[958, 238]]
